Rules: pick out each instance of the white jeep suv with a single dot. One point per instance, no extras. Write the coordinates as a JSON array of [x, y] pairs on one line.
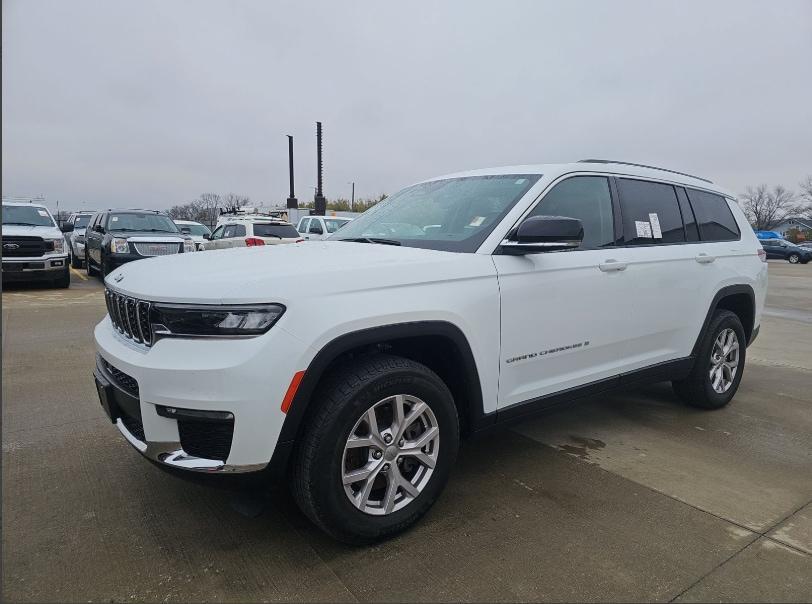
[[251, 231], [352, 366]]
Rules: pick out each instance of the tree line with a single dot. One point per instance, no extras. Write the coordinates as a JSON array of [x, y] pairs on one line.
[[767, 207]]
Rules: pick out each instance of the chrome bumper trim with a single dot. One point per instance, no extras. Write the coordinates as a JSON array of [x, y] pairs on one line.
[[171, 454]]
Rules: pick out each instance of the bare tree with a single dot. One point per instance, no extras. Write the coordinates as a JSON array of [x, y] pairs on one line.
[[767, 208], [232, 201], [806, 193]]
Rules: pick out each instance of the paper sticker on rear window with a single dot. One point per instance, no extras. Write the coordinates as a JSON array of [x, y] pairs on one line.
[[656, 231], [476, 221], [114, 218], [42, 213], [643, 228]]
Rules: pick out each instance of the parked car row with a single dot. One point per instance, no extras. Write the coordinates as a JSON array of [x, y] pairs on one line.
[[786, 250]]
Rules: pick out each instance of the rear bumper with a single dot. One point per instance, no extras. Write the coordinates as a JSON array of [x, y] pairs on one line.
[[34, 269]]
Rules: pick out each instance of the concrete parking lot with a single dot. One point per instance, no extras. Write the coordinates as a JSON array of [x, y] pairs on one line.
[[621, 498]]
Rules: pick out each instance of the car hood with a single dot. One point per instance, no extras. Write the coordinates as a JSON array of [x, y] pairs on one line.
[[282, 273], [46, 232]]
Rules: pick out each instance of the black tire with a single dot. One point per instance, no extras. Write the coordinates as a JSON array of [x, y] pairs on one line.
[[88, 265], [697, 390], [63, 281], [103, 269], [75, 262], [342, 399], [793, 258]]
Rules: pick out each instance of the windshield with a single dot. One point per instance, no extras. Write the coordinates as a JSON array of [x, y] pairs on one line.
[[196, 229], [81, 221], [27, 215], [456, 214], [141, 222], [333, 224]]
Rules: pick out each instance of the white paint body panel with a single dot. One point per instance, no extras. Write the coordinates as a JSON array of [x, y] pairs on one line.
[[506, 306]]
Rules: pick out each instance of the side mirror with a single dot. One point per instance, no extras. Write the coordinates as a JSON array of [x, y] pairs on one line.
[[207, 236], [67, 227], [186, 230], [540, 234], [98, 228]]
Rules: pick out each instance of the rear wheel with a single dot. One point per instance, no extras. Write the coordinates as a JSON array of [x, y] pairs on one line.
[[719, 365], [794, 258], [378, 450]]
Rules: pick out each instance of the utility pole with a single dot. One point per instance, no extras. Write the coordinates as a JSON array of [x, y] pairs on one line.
[[293, 203], [352, 199], [320, 202]]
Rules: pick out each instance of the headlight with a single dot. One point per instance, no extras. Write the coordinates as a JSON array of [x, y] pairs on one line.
[[118, 245], [59, 245], [188, 245], [181, 320]]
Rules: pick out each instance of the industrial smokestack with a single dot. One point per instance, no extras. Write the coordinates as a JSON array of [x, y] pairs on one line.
[[320, 201], [293, 203]]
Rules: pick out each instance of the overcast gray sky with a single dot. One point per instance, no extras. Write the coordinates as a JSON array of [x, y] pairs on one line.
[[151, 103]]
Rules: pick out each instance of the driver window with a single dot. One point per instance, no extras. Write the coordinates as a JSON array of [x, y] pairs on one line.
[[315, 227], [586, 198], [218, 232]]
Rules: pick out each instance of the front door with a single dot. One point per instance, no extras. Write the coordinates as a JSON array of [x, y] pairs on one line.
[[564, 315]]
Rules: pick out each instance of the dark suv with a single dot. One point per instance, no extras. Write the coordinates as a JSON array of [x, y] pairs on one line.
[[780, 248], [115, 237]]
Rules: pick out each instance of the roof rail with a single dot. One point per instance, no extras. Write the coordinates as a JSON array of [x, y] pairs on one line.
[[626, 163]]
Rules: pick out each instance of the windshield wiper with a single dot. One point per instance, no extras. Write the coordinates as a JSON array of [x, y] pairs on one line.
[[371, 240]]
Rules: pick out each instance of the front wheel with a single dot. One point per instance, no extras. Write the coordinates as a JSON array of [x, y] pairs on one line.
[[378, 450], [63, 281], [88, 265], [794, 258], [719, 365], [75, 261]]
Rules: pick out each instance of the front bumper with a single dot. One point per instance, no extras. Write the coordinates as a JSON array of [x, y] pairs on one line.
[[34, 269], [246, 378]]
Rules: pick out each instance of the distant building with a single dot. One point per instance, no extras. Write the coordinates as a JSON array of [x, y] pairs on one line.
[[793, 222]]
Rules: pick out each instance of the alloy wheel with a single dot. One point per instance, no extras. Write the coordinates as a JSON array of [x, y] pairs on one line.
[[724, 361], [390, 454]]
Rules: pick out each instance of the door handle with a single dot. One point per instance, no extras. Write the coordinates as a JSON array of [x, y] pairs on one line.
[[612, 265], [703, 258]]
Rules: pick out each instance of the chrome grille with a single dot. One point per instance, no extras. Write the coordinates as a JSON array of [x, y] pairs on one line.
[[129, 316], [157, 249]]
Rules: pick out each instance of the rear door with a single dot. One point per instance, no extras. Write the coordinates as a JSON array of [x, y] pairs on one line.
[[672, 275], [234, 236]]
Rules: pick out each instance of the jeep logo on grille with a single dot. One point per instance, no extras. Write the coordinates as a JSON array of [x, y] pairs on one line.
[[11, 246]]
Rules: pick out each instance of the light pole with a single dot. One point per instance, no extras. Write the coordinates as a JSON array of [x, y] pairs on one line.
[[352, 199]]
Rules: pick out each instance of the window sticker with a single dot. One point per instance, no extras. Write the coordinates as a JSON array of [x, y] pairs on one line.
[[42, 213], [643, 228], [656, 231], [521, 181], [115, 219], [476, 221]]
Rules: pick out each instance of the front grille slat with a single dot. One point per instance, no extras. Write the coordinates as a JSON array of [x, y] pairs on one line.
[[25, 246], [129, 316], [157, 249]]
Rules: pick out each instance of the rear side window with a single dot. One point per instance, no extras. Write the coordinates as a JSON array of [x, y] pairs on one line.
[[586, 198], [282, 231], [716, 222], [651, 213]]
